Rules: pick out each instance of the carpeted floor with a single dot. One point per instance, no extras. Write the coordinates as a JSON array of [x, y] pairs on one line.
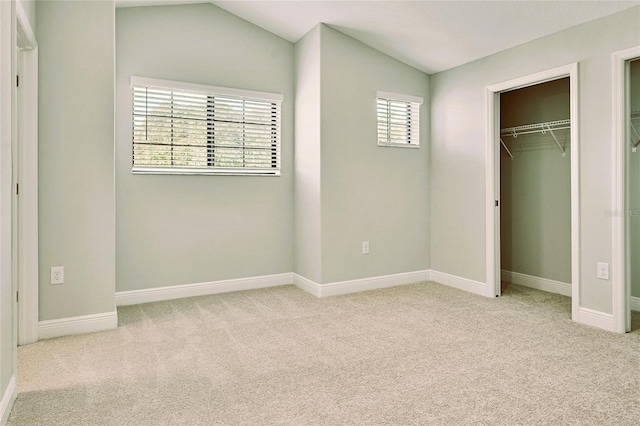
[[415, 354]]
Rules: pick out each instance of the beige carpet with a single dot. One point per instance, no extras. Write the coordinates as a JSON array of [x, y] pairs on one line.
[[415, 354]]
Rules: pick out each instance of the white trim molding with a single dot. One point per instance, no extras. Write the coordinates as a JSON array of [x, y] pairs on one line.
[[77, 325], [400, 97], [28, 199], [621, 292], [538, 283], [460, 283], [27, 159], [362, 284], [8, 398], [156, 294], [191, 87], [596, 319], [307, 285]]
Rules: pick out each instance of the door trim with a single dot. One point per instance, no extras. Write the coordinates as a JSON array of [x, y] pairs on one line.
[[28, 179], [620, 285], [493, 177]]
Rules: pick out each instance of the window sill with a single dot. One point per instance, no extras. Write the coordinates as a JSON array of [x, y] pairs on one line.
[[398, 145], [204, 172]]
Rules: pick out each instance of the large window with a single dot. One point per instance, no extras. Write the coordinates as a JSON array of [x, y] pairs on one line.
[[183, 128], [398, 120]]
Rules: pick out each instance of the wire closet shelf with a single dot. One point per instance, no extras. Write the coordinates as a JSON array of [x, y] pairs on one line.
[[548, 126]]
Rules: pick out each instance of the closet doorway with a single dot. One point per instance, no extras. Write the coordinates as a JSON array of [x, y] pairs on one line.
[[532, 184], [634, 193], [626, 194], [535, 187]]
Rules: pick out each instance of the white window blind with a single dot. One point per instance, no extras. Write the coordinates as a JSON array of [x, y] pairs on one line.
[[183, 128], [398, 120]]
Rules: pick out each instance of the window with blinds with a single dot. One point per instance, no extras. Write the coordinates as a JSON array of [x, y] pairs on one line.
[[398, 120], [183, 128]]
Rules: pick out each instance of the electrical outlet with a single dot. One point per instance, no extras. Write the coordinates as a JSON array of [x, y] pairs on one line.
[[57, 274], [365, 247], [603, 270]]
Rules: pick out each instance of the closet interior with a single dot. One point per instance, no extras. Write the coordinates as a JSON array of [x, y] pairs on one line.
[[535, 187], [633, 213]]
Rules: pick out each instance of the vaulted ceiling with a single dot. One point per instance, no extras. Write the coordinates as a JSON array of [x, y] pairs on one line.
[[432, 36]]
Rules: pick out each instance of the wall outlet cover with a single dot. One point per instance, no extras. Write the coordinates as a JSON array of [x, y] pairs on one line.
[[603, 271], [365, 247], [57, 274]]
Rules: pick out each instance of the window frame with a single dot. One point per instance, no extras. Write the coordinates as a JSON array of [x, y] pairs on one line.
[[211, 92], [411, 102]]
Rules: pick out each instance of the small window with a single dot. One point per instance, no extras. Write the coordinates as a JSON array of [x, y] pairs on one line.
[[183, 128], [398, 120]]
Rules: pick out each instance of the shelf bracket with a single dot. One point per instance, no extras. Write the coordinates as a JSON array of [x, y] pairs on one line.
[[506, 149], [635, 145], [564, 154]]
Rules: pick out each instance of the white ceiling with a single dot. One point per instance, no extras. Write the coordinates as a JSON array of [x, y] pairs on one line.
[[430, 35]]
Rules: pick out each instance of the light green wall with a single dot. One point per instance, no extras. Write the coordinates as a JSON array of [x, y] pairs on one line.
[[307, 202], [634, 185], [174, 229], [369, 193], [535, 201], [458, 147], [76, 166]]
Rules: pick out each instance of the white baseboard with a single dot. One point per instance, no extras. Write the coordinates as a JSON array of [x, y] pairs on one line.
[[596, 319], [634, 303], [307, 285], [7, 400], [77, 325], [476, 287], [156, 294], [538, 283], [362, 284]]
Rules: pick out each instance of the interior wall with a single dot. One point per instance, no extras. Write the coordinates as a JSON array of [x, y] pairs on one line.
[[76, 168], [458, 147], [180, 229], [633, 214], [307, 202], [369, 193], [535, 197]]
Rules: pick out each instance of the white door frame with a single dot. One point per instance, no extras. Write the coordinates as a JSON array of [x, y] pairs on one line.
[[27, 129], [493, 177], [620, 282], [8, 305]]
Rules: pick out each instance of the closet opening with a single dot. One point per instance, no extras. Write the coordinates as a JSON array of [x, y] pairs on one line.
[[632, 215], [535, 189], [539, 120], [625, 214]]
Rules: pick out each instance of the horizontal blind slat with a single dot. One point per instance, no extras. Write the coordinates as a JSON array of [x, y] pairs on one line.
[[398, 122], [173, 128]]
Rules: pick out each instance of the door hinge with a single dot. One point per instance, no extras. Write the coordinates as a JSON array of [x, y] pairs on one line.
[[17, 81], [17, 188], [17, 297], [497, 203]]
